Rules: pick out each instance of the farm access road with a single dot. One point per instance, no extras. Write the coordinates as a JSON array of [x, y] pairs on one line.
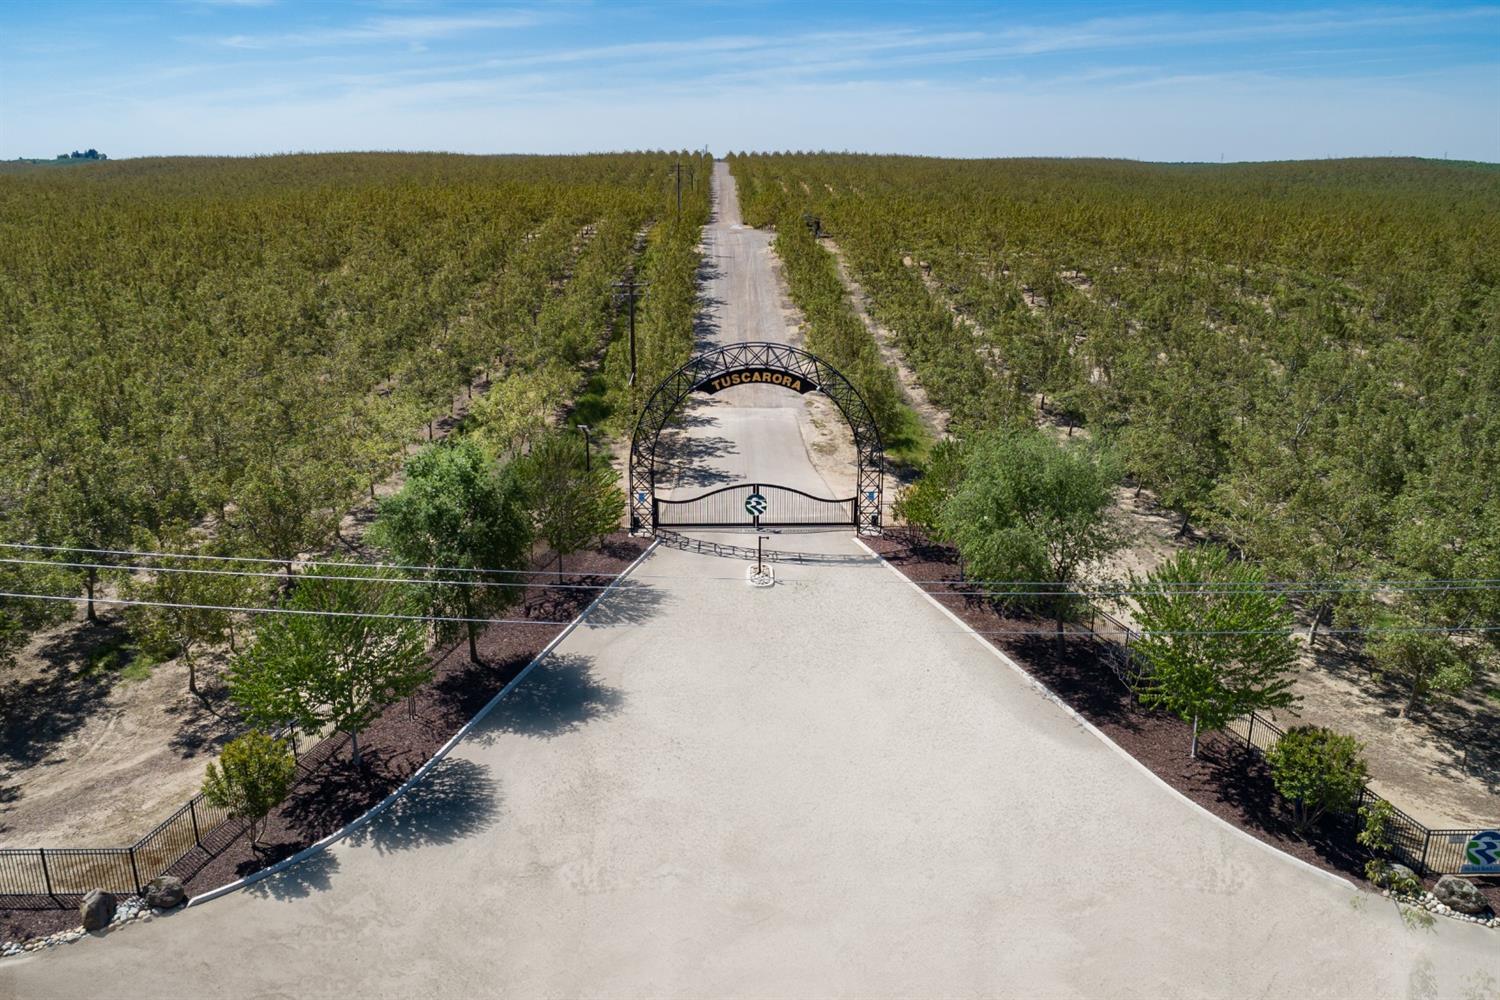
[[820, 788]]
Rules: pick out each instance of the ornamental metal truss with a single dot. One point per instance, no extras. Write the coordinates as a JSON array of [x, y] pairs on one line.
[[755, 363]]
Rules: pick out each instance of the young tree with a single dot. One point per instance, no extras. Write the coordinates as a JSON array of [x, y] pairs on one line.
[[1428, 663], [253, 774], [458, 509], [346, 650], [571, 505], [1029, 508], [1218, 643], [186, 616], [1317, 770], [921, 504]]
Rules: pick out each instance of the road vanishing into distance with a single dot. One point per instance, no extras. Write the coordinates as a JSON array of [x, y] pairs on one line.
[[821, 788]]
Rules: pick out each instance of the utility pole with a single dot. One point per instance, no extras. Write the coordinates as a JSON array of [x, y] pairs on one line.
[[627, 290], [677, 169]]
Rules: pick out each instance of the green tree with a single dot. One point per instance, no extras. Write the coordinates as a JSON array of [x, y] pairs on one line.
[[253, 774], [185, 614], [571, 505], [1427, 663], [350, 644], [921, 504], [1218, 643], [458, 509], [1317, 770], [1031, 509]]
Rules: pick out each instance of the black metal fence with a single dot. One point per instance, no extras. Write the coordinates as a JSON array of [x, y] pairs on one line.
[[181, 844], [1423, 849], [754, 505]]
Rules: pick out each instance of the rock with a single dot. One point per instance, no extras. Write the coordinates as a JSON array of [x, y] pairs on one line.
[[165, 892], [97, 909], [1460, 894]]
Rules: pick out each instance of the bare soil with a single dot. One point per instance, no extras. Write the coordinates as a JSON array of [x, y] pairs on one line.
[[406, 735]]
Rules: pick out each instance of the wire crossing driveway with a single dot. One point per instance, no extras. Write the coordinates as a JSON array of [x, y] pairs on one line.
[[823, 788]]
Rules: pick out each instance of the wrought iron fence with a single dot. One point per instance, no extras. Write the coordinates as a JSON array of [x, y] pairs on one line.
[[180, 844]]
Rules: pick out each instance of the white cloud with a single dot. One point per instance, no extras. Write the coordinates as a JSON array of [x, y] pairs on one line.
[[388, 29]]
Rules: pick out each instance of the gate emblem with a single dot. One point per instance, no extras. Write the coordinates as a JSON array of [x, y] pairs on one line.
[[755, 505]]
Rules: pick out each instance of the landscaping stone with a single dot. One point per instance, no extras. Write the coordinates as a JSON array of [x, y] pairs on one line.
[[165, 892], [1460, 894], [97, 909]]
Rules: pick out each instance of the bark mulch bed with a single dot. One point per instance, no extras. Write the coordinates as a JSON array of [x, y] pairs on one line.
[[332, 792], [1228, 779]]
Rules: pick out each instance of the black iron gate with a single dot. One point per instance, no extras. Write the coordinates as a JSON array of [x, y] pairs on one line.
[[754, 505]]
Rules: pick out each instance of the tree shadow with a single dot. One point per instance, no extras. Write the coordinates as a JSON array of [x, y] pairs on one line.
[[339, 793], [39, 713], [685, 460], [631, 602], [301, 880], [456, 800], [558, 697]]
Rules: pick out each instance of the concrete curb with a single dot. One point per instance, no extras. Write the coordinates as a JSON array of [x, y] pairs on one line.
[[421, 772], [1051, 696]]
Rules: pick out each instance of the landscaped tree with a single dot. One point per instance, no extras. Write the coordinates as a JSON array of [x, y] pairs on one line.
[[572, 505], [1317, 770], [1218, 643], [253, 774], [458, 509], [1031, 509], [349, 645]]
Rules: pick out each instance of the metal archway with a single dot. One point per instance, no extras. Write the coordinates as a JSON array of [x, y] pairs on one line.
[[756, 363]]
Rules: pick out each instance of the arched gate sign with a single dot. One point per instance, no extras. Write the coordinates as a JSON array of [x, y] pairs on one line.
[[778, 365]]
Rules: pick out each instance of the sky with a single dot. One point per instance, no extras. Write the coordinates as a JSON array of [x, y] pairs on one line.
[[1157, 81]]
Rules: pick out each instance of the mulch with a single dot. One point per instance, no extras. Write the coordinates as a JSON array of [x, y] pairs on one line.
[[331, 791], [1228, 779]]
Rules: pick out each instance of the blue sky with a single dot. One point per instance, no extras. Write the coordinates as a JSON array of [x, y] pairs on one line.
[[1158, 81]]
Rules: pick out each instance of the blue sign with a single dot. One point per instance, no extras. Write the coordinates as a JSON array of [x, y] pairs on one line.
[[640, 496], [1482, 854], [870, 495]]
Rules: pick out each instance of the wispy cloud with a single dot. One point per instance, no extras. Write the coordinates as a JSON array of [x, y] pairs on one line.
[[410, 30]]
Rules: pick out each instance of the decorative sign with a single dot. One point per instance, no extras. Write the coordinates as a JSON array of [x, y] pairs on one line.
[[1482, 854], [870, 495], [757, 376], [640, 496], [755, 505]]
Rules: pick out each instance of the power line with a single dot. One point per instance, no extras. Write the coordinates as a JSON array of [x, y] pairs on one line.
[[1214, 589], [319, 576], [1124, 632], [283, 611], [135, 553]]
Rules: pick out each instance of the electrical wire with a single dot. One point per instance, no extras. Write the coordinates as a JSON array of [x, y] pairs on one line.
[[1122, 631]]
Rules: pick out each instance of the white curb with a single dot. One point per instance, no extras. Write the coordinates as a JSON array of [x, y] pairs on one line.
[[421, 772], [1051, 696]]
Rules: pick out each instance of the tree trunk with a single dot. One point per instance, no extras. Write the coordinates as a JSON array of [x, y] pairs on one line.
[[90, 581], [1317, 619], [473, 643], [354, 748], [1193, 753], [1182, 530]]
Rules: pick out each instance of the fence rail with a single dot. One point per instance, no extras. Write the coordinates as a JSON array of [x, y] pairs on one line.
[[197, 832]]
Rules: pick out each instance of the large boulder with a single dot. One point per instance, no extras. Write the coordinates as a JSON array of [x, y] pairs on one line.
[[1390, 875], [1460, 894], [164, 892], [97, 910]]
